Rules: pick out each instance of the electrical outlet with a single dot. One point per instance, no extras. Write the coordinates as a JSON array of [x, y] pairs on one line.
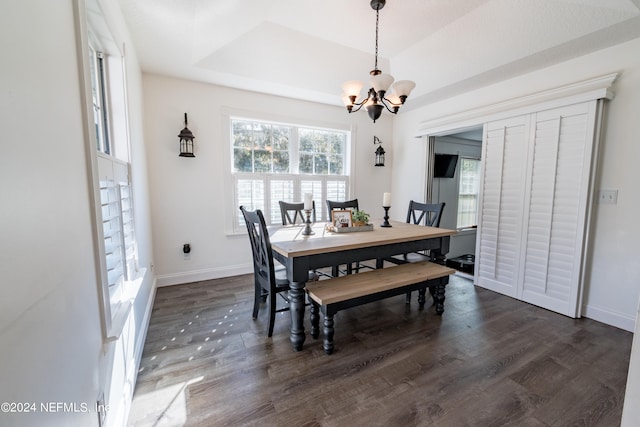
[[101, 409], [609, 197]]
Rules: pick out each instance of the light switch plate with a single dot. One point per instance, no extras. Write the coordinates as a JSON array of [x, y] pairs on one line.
[[608, 197]]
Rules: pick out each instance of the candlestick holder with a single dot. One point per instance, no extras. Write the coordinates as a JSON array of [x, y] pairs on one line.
[[386, 217], [307, 224]]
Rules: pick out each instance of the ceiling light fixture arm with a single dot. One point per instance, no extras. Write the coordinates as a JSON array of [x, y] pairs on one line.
[[375, 101]]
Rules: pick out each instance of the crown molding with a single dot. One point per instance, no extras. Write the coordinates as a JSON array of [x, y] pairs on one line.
[[587, 90]]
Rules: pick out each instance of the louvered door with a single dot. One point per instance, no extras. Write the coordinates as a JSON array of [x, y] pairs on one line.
[[500, 228], [536, 188], [560, 166]]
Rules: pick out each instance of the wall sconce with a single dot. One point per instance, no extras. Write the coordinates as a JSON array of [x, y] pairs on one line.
[[379, 152], [186, 140]]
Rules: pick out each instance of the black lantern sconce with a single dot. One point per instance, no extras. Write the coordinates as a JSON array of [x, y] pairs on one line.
[[186, 140], [379, 152]]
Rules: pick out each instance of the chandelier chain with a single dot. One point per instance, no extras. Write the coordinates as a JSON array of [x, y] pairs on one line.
[[375, 67]]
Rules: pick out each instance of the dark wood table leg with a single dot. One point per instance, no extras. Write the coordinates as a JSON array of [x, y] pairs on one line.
[[296, 305], [421, 297], [328, 334], [439, 297], [315, 319]]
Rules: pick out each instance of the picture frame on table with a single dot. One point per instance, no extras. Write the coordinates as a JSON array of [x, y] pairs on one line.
[[341, 218]]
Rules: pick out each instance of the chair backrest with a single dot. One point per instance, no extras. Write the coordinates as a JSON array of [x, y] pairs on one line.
[[287, 210], [425, 213], [261, 247], [349, 204]]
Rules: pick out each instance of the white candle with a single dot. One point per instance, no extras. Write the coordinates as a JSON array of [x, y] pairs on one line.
[[308, 201], [386, 200]]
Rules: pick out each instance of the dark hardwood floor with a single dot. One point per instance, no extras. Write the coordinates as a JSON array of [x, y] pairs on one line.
[[488, 361]]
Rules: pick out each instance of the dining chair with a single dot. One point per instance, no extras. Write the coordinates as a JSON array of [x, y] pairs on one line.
[[348, 204], [428, 214], [268, 281], [291, 212]]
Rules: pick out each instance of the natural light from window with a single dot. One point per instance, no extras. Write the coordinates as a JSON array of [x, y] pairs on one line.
[[469, 189], [273, 162]]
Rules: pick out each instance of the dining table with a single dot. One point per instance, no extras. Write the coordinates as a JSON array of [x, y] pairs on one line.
[[300, 253]]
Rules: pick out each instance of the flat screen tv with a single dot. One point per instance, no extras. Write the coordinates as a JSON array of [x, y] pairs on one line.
[[445, 165]]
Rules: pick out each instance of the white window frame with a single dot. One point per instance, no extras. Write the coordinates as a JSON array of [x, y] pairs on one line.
[[233, 219], [118, 274], [460, 194], [100, 99]]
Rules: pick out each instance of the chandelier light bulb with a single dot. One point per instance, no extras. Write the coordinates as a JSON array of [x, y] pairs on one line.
[[352, 88], [381, 82], [403, 87]]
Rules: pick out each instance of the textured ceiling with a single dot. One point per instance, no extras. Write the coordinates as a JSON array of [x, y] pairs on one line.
[[305, 50]]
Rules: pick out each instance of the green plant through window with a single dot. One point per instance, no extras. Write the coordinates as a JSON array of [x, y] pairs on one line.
[[273, 162]]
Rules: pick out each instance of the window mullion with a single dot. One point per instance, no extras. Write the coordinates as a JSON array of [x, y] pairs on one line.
[[294, 153], [267, 198]]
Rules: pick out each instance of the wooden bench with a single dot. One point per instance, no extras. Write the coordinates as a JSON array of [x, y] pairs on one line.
[[333, 295]]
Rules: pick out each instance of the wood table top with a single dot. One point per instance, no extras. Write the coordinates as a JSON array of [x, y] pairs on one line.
[[289, 241]]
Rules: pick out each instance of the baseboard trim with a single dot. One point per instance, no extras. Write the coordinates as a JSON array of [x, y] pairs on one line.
[[609, 317], [200, 275], [134, 363], [145, 327]]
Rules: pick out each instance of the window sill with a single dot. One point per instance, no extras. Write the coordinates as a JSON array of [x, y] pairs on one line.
[[465, 231], [121, 312]]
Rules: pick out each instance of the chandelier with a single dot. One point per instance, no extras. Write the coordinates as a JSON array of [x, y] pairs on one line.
[[377, 98]]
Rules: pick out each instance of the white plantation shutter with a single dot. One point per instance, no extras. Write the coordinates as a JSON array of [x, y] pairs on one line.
[[128, 231], [502, 204], [281, 189], [536, 187], [562, 150], [113, 238], [117, 228], [264, 191]]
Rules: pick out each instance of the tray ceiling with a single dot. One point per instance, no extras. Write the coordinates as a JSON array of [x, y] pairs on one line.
[[305, 50]]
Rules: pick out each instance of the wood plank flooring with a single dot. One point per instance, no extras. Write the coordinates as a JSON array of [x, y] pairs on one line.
[[488, 361]]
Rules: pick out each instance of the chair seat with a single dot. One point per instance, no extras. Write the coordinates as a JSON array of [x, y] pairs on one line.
[[281, 279], [283, 282], [411, 257]]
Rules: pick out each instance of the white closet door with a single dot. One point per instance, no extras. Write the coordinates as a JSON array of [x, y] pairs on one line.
[[556, 206], [500, 229]]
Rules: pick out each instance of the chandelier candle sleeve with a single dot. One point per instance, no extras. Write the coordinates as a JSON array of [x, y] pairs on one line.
[[308, 201], [386, 200]]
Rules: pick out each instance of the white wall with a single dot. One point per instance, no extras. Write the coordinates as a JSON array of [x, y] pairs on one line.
[[612, 285], [631, 410], [188, 194], [52, 349]]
